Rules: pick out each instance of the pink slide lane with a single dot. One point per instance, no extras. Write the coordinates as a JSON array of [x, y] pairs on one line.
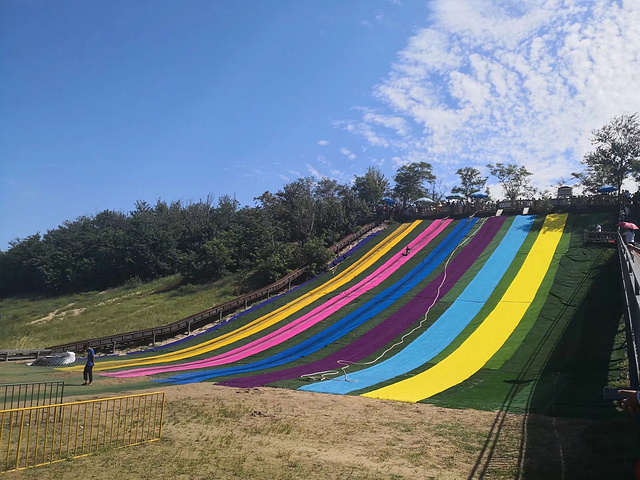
[[306, 321]]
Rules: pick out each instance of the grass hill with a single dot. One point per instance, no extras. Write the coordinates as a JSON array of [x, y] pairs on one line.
[[37, 322], [541, 389]]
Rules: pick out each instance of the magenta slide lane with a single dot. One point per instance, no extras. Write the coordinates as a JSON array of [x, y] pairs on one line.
[[306, 321]]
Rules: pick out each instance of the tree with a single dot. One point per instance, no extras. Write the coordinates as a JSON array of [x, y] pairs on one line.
[[199, 240], [437, 190], [514, 179], [207, 261], [330, 214], [371, 187], [298, 208], [616, 154], [313, 255], [20, 266], [471, 181], [410, 181]]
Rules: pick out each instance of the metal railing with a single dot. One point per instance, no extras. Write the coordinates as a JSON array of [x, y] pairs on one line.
[[21, 395], [630, 269], [186, 325], [35, 436], [490, 207], [591, 236]]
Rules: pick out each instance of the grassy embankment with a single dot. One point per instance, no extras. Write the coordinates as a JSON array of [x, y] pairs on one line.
[[38, 322]]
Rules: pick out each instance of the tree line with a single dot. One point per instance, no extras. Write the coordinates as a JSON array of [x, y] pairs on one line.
[[202, 240], [207, 240]]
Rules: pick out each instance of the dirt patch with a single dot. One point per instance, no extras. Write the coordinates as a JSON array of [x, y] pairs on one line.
[[58, 314]]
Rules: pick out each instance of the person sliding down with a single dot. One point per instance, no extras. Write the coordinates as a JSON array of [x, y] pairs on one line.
[[407, 251]]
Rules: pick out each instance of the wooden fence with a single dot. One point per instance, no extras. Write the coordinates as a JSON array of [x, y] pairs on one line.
[[24, 354]]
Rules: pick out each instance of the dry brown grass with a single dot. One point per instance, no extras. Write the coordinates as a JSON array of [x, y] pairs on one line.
[[214, 432]]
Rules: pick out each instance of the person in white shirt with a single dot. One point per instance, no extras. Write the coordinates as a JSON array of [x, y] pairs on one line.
[[629, 236]]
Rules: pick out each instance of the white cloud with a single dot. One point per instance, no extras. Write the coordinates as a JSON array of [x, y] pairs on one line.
[[348, 153], [313, 171], [362, 129], [399, 124], [521, 82], [397, 162], [323, 142], [334, 174]]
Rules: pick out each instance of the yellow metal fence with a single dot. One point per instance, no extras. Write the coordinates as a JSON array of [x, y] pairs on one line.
[[34, 436]]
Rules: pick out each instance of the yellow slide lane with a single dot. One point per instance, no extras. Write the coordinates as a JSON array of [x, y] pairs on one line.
[[494, 331], [271, 318]]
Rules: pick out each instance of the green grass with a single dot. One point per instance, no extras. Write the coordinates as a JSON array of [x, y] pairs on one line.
[[39, 322]]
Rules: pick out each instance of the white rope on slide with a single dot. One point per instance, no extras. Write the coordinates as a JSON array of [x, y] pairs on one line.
[[326, 374]]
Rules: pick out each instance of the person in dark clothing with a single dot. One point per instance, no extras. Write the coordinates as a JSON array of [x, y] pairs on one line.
[[407, 251], [88, 368]]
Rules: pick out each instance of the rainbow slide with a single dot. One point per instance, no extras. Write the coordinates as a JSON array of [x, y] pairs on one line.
[[393, 326], [446, 328], [308, 320], [492, 333], [271, 318], [378, 304]]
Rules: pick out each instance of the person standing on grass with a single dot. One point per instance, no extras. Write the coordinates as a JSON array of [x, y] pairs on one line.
[[88, 368]]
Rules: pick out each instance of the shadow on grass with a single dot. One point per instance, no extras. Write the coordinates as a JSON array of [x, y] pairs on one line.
[[568, 431]]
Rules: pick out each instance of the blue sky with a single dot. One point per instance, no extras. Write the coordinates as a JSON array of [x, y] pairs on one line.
[[106, 103]]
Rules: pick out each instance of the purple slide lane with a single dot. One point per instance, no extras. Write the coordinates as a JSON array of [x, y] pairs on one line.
[[306, 321], [385, 332]]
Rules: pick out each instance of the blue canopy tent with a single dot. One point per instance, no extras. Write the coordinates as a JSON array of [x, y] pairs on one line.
[[479, 195], [607, 189], [423, 200], [456, 196], [388, 201]]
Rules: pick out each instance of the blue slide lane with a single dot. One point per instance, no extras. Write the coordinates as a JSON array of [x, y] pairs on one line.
[[446, 328], [345, 325]]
